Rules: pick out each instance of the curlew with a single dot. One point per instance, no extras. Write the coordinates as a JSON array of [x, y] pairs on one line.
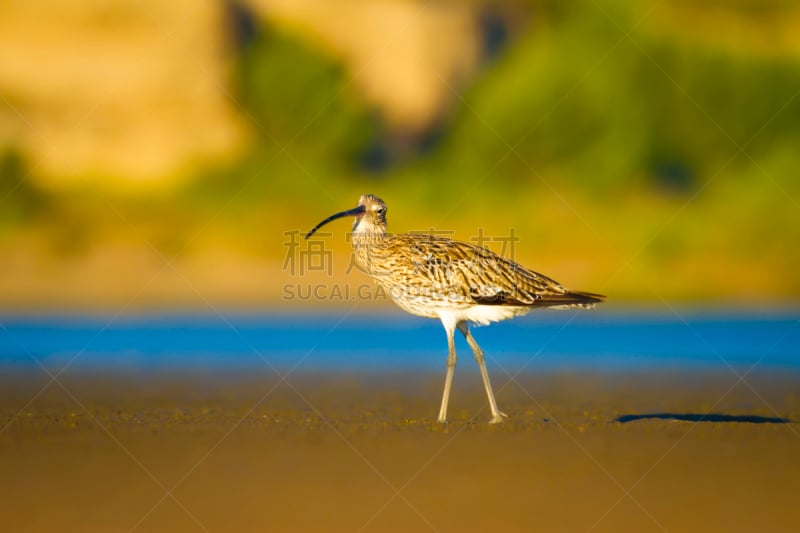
[[456, 282]]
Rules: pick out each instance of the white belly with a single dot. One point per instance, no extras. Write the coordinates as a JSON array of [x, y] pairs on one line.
[[481, 314], [448, 306]]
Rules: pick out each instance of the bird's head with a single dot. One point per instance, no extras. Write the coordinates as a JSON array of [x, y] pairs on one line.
[[370, 217]]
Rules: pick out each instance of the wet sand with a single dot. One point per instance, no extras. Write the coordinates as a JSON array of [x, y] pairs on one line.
[[141, 452]]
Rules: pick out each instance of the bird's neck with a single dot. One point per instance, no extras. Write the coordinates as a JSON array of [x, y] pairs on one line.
[[369, 247], [365, 236]]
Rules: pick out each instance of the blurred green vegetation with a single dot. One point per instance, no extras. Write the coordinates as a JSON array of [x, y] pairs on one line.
[[21, 200], [590, 126]]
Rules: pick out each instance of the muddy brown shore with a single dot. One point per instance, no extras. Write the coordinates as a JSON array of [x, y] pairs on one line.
[[631, 452]]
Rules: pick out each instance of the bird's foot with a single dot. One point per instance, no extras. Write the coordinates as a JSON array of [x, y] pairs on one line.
[[498, 417], [442, 419]]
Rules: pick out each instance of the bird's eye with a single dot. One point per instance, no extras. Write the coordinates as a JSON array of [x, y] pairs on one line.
[[381, 211]]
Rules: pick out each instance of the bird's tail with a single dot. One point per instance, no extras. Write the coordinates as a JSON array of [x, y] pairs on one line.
[[571, 299]]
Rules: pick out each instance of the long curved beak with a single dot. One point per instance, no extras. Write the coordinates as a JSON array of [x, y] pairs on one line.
[[356, 211]]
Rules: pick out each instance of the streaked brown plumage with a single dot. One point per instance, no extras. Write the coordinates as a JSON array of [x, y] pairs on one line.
[[454, 281]]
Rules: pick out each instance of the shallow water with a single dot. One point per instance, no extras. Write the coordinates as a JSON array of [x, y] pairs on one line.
[[542, 341]]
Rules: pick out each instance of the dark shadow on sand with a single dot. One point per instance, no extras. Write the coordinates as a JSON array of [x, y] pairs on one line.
[[709, 417]]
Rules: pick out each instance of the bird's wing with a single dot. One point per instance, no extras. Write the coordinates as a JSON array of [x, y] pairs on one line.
[[473, 274]]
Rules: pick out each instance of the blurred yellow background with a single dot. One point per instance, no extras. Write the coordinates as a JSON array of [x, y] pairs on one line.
[[168, 155]]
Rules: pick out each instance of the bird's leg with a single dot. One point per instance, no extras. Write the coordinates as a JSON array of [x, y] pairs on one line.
[[497, 415], [451, 368]]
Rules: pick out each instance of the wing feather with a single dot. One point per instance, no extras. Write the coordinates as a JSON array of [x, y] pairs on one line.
[[472, 274]]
